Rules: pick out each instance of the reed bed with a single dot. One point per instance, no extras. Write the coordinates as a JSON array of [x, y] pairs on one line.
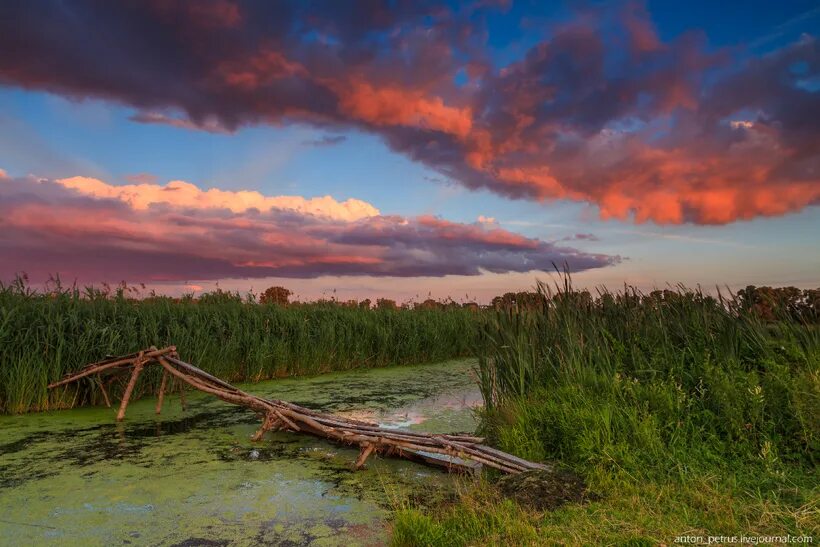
[[45, 335], [687, 414], [652, 373]]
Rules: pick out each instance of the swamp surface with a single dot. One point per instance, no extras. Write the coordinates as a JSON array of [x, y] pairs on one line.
[[193, 477]]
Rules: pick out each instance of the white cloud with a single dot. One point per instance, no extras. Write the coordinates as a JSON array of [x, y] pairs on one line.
[[179, 193]]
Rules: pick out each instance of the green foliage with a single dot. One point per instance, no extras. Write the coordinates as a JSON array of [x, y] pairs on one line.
[[773, 303], [624, 378], [630, 513], [684, 411], [45, 335], [477, 519], [275, 295]]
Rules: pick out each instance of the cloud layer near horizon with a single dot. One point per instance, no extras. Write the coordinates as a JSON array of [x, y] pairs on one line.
[[601, 111], [86, 229]]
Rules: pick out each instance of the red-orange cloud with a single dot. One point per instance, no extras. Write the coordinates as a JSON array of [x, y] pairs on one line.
[[602, 110], [395, 106]]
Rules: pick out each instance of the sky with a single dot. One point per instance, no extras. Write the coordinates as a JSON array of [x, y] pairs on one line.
[[409, 149]]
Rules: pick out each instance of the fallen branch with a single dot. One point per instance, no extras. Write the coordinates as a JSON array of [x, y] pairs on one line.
[[454, 452]]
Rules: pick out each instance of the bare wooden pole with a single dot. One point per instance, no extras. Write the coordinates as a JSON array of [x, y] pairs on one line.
[[268, 423], [161, 395], [182, 402], [363, 455], [287, 421], [130, 388], [104, 392]]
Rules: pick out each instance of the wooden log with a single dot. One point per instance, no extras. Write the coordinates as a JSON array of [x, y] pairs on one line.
[[287, 421], [454, 452], [231, 397], [340, 421], [476, 454], [201, 373], [129, 389], [323, 416], [267, 424], [463, 438], [510, 457], [95, 368], [509, 468], [363, 455]]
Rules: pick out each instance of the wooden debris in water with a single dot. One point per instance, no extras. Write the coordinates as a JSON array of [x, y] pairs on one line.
[[453, 452]]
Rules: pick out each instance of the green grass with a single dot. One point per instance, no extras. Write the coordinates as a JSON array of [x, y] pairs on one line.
[[43, 336], [685, 414], [632, 513]]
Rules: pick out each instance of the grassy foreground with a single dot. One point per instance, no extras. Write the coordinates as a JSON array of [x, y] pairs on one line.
[[687, 415], [43, 336]]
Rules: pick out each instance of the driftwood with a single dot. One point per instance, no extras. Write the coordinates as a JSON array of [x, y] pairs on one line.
[[453, 452]]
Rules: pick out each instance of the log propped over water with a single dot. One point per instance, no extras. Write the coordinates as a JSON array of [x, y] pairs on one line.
[[454, 452]]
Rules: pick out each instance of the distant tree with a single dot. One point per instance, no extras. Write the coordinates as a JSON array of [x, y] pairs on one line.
[[449, 304], [580, 299], [772, 304], [365, 304], [428, 304], [275, 295], [811, 305], [521, 300], [218, 296], [504, 301], [385, 304]]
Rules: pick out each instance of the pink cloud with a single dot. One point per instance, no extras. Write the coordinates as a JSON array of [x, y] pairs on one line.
[[87, 229]]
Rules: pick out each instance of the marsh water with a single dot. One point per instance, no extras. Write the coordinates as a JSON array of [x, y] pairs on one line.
[[193, 477]]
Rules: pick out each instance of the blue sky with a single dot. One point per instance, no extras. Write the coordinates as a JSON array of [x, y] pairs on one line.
[[59, 135]]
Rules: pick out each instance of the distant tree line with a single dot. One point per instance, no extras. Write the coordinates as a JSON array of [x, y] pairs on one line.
[[767, 303], [773, 303], [281, 296]]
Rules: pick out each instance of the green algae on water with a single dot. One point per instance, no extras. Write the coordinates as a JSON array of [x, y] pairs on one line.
[[193, 477]]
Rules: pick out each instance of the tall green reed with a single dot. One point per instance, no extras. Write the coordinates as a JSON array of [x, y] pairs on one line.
[[639, 380], [45, 335]]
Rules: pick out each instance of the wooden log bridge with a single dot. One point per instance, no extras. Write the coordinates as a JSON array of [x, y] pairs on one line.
[[453, 452]]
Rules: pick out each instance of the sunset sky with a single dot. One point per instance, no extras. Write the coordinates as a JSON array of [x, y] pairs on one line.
[[400, 149]]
